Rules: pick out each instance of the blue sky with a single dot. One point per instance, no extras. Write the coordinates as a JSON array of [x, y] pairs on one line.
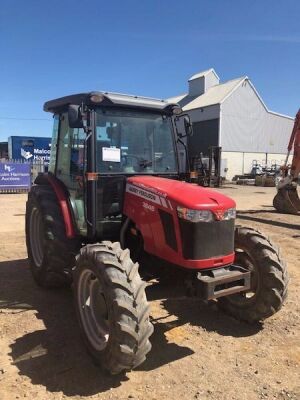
[[58, 47]]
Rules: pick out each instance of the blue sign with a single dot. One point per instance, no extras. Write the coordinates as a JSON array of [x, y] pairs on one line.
[[29, 148], [15, 176]]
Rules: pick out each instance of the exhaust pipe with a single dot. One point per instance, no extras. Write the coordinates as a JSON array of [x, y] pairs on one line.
[[287, 200]]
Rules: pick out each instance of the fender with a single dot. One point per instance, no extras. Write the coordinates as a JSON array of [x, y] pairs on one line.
[[62, 199]]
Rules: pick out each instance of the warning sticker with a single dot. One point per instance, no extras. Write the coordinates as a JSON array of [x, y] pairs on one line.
[[112, 154]]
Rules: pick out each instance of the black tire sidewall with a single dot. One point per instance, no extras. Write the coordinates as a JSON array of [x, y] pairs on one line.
[[127, 306], [58, 251], [39, 272], [248, 247], [272, 278]]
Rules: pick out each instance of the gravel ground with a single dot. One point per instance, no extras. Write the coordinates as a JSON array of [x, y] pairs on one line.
[[198, 352]]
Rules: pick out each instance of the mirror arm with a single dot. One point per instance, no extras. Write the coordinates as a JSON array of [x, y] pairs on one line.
[[85, 119], [186, 153]]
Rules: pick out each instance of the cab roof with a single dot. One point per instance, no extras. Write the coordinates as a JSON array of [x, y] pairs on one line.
[[109, 100]]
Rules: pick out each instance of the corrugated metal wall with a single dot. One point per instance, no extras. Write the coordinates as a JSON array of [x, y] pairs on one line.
[[197, 86], [247, 126], [241, 163], [278, 130]]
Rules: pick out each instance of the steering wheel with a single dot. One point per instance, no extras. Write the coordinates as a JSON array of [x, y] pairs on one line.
[[133, 157]]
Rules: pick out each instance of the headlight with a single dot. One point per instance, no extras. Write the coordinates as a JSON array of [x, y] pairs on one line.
[[230, 213], [195, 215]]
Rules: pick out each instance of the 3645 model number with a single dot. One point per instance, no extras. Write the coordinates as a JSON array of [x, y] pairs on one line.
[[148, 206]]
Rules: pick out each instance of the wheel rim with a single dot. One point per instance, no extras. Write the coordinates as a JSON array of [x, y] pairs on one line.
[[93, 310], [244, 259], [37, 236]]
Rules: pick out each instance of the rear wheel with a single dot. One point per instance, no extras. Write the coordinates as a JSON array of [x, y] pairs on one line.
[[269, 278], [51, 254], [112, 308]]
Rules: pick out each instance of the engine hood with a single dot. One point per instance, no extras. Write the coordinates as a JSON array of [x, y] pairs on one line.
[[183, 194]]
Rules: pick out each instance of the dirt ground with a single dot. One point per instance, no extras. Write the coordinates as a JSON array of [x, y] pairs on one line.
[[198, 352]]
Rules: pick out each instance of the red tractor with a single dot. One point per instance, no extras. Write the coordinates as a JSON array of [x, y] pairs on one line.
[[113, 196]]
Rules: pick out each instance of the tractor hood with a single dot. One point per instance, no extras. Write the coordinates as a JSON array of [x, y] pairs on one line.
[[182, 193]]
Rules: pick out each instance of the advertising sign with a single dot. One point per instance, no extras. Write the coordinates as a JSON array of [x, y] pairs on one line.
[[15, 176], [29, 148]]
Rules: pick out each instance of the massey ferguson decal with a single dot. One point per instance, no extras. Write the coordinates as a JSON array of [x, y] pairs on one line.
[[137, 191], [147, 195]]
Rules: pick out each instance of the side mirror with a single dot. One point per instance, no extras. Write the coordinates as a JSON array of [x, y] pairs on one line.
[[74, 116], [187, 126], [183, 126]]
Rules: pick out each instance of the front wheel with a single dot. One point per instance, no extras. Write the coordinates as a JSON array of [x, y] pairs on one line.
[[111, 306], [269, 278]]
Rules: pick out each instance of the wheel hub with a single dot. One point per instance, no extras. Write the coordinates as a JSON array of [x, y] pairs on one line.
[[93, 309]]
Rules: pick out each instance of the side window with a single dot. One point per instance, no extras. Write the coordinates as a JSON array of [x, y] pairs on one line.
[[70, 158], [77, 152], [53, 144]]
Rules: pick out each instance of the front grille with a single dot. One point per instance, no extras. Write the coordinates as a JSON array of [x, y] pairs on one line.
[[204, 240]]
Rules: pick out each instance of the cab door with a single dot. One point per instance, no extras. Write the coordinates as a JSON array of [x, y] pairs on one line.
[[69, 165]]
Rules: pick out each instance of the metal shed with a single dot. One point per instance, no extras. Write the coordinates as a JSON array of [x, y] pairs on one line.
[[233, 115]]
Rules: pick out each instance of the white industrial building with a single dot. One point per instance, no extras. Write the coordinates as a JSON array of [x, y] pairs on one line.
[[233, 115]]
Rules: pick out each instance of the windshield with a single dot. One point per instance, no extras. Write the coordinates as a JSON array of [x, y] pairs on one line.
[[134, 142]]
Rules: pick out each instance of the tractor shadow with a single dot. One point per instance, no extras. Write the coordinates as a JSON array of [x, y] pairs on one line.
[[195, 312], [258, 216], [51, 352], [53, 356]]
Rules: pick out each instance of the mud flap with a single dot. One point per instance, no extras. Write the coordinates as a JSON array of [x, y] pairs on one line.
[[287, 201]]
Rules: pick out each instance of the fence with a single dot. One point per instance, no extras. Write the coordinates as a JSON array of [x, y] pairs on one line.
[[17, 176]]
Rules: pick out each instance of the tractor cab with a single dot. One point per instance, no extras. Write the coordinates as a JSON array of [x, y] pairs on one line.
[[101, 139]]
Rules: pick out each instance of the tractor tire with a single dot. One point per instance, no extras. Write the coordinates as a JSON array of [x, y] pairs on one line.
[[51, 254], [269, 278], [112, 307]]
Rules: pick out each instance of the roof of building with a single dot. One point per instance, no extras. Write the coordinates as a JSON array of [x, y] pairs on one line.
[[214, 95], [204, 73]]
